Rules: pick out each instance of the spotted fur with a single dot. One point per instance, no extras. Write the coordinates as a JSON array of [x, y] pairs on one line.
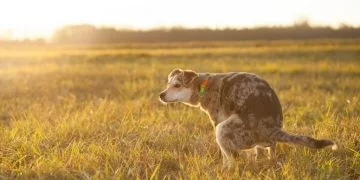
[[243, 108]]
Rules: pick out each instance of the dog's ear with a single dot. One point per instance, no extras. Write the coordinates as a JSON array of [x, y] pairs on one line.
[[189, 76], [174, 72]]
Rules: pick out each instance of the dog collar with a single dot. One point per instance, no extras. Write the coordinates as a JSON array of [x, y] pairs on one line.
[[202, 87]]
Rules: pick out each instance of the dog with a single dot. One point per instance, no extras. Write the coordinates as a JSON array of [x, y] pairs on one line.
[[243, 108]]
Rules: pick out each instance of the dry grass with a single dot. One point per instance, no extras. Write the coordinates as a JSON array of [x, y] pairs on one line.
[[92, 111]]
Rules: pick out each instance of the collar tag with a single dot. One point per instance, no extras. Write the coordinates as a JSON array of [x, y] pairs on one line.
[[202, 87]]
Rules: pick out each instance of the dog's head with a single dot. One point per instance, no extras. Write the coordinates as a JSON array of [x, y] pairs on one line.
[[180, 87]]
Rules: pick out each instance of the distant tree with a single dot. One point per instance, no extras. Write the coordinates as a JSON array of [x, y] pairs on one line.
[[75, 33], [302, 23]]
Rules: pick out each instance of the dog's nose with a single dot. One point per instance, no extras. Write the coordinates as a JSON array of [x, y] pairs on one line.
[[162, 95]]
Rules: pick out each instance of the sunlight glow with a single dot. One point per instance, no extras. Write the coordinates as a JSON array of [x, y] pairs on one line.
[[40, 18]]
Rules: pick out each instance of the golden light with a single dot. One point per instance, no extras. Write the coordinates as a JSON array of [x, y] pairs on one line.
[[39, 18]]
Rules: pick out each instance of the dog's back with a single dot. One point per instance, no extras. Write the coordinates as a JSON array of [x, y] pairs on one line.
[[251, 98]]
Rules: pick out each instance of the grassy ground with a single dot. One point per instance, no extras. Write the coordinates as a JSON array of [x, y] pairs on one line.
[[93, 111]]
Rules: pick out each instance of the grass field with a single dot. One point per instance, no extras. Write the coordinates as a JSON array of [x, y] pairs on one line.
[[93, 111]]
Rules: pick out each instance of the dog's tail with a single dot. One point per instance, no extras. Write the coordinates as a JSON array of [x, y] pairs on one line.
[[282, 136]]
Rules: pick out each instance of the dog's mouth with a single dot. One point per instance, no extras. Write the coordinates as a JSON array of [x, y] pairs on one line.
[[163, 101]]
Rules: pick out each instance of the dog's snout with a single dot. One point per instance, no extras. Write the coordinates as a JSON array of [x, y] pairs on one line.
[[162, 95]]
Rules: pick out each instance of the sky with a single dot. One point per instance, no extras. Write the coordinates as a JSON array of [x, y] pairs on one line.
[[40, 18]]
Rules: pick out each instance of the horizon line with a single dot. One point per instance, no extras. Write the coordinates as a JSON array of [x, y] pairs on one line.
[[6, 34]]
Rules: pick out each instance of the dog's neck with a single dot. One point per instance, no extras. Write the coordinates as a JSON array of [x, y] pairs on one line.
[[208, 102], [196, 98]]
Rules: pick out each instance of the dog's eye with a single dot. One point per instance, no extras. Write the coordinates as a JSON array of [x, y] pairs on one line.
[[177, 85]]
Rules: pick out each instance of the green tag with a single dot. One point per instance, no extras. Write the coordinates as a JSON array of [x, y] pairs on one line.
[[202, 91]]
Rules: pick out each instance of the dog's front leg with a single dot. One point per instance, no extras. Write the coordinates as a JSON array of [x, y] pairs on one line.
[[231, 136], [224, 145]]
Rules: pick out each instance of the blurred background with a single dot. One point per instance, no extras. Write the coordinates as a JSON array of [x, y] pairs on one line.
[[113, 21]]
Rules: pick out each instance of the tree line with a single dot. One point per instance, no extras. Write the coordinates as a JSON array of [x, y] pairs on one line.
[[89, 34]]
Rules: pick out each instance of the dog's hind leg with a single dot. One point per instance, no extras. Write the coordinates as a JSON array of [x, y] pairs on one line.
[[271, 151], [252, 154]]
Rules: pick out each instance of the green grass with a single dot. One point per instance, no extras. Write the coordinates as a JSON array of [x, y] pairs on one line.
[[93, 111]]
